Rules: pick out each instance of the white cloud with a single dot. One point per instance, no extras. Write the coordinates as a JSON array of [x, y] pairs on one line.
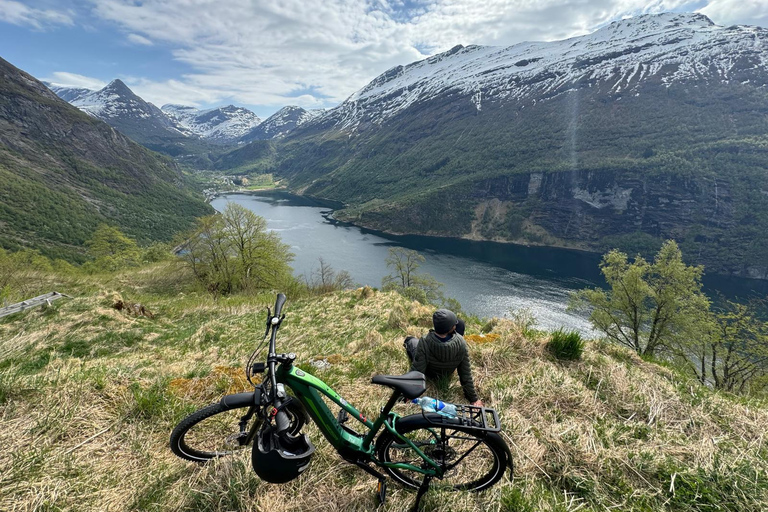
[[17, 13], [172, 91], [137, 39], [268, 53], [318, 52], [74, 80], [506, 22], [743, 12]]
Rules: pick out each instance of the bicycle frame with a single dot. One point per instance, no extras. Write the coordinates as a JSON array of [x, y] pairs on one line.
[[307, 387]]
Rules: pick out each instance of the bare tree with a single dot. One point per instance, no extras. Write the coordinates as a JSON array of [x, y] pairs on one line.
[[325, 279]]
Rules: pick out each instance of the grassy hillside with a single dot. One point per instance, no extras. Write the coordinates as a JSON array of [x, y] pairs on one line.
[[89, 395], [62, 173]]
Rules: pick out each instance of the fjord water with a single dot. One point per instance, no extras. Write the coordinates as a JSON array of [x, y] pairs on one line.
[[487, 278]]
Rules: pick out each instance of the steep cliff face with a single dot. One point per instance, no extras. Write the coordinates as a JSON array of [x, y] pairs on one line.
[[595, 210]]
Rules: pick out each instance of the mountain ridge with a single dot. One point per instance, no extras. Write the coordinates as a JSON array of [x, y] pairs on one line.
[[517, 71]]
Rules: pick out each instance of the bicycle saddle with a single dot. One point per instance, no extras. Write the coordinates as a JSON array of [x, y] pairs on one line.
[[411, 385]]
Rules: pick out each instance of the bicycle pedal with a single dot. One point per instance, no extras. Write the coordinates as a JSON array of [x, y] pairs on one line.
[[381, 491], [239, 438], [343, 416]]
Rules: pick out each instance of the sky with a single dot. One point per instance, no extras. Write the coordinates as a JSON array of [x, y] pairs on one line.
[[265, 54]]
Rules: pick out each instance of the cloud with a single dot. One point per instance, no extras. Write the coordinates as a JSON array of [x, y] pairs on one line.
[[270, 53], [507, 22], [744, 12], [318, 52], [17, 13], [137, 39], [173, 91], [74, 80]]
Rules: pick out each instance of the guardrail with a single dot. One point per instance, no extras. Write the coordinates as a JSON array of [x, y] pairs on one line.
[[31, 303]]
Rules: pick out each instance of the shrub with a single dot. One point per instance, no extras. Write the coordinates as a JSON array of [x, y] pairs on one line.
[[566, 344]]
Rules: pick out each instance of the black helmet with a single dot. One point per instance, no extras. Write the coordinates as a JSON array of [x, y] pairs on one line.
[[280, 458]]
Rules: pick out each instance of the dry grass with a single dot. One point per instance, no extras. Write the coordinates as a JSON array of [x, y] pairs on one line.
[[89, 395]]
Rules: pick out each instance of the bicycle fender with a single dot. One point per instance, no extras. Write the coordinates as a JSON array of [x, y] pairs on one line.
[[241, 400]]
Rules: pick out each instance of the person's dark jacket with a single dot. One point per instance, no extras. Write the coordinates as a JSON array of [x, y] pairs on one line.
[[436, 358]]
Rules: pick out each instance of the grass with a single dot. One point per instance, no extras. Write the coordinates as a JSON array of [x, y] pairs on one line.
[[89, 395], [566, 345]]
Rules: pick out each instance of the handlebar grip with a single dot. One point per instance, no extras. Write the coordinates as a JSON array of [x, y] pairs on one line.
[[279, 304], [282, 422]]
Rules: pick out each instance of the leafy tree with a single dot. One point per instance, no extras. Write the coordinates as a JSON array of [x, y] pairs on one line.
[[650, 307], [735, 353], [156, 251], [22, 273], [404, 263], [111, 249], [234, 252]]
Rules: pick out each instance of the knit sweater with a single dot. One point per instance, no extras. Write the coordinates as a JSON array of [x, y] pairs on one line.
[[436, 358]]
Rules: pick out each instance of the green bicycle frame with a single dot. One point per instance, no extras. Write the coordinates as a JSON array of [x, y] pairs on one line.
[[307, 389]]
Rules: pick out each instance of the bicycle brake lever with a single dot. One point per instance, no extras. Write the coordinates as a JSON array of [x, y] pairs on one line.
[[269, 321]]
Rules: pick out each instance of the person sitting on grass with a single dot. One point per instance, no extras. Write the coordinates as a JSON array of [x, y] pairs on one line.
[[442, 351]]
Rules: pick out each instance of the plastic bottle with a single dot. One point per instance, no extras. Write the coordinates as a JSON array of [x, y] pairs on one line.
[[430, 404]]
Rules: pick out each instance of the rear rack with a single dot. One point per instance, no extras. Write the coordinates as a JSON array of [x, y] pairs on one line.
[[476, 418]]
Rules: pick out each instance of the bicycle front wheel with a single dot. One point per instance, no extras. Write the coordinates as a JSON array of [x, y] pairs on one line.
[[214, 431], [472, 460], [209, 433]]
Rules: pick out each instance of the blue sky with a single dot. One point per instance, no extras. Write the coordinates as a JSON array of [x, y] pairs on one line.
[[265, 54]]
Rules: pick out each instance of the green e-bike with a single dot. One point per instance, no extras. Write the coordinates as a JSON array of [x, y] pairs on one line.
[[465, 451]]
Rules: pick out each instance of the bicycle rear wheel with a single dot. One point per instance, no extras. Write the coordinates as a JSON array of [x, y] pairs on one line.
[[472, 460], [214, 431]]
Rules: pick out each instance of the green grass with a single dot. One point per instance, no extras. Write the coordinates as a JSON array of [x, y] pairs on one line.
[[89, 395], [566, 345]]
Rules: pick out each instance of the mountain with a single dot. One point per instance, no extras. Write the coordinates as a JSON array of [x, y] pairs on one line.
[[119, 107], [280, 123], [63, 172], [179, 130], [618, 59], [68, 94], [650, 128], [224, 125]]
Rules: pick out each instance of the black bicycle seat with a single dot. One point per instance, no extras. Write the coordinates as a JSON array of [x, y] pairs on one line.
[[411, 385]]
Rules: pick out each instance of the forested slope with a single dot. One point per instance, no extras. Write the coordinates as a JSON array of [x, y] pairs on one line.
[[63, 172]]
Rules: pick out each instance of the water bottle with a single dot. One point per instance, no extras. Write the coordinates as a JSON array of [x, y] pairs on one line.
[[430, 404]]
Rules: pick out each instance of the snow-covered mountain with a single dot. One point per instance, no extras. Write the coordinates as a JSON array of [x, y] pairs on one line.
[[172, 124], [68, 94], [280, 123], [223, 125], [119, 107], [668, 48]]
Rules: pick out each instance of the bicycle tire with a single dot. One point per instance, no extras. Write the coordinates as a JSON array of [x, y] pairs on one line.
[[464, 447], [212, 432]]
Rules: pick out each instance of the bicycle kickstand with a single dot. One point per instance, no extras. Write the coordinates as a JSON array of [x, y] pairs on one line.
[[422, 491]]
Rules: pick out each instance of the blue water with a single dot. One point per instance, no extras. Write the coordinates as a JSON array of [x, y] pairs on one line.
[[487, 278]]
